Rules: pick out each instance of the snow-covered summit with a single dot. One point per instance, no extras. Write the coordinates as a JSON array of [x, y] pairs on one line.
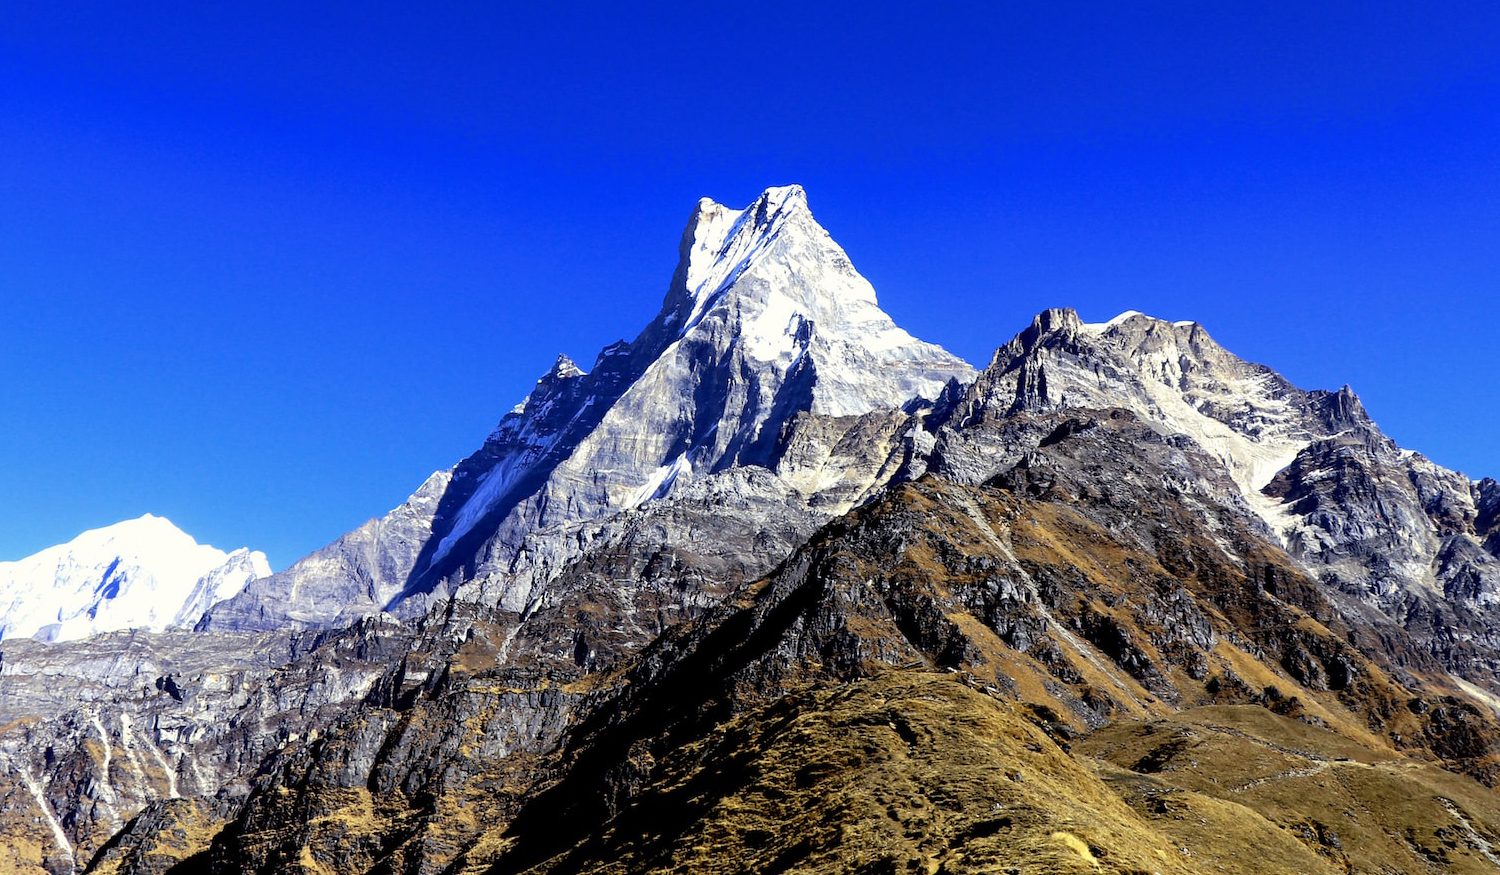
[[143, 573], [772, 282], [765, 317], [720, 243]]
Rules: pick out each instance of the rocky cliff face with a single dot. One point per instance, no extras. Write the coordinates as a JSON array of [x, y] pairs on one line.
[[353, 577], [777, 584], [1071, 584], [1379, 524], [95, 731], [1174, 375]]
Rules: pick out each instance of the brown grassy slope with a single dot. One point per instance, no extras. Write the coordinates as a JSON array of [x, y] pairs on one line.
[[902, 772], [1363, 811], [1031, 600], [915, 771]]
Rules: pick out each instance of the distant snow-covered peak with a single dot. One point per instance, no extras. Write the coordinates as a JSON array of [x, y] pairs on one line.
[[145, 535], [141, 573]]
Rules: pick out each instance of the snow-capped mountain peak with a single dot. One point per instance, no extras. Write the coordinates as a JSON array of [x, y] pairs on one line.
[[721, 242], [765, 320], [143, 573], [770, 280]]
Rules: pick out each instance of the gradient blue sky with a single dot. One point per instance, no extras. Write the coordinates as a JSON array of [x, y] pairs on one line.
[[262, 269]]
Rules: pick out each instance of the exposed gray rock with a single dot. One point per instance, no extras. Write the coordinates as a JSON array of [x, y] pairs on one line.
[[354, 576], [1380, 524]]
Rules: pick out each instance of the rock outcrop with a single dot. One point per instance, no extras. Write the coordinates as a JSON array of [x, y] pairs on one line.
[[1383, 526]]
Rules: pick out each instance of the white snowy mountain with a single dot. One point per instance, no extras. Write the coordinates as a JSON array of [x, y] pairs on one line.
[[139, 574], [767, 318], [765, 324]]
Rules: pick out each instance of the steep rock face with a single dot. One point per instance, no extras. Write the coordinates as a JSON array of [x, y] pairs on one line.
[[765, 321], [1364, 503], [1381, 524], [157, 839], [462, 699], [352, 577], [1391, 528], [148, 718], [223, 582], [826, 464], [1247, 416], [452, 735], [139, 574]]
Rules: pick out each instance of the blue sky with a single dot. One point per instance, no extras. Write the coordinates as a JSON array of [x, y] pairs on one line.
[[263, 269]]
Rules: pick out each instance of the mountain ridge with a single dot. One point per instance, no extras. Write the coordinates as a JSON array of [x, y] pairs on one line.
[[1146, 576]]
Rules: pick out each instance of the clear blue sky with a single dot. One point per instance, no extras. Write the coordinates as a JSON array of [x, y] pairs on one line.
[[263, 269]]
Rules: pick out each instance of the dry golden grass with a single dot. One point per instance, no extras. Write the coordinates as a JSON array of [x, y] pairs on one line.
[[1362, 810], [904, 772], [21, 856], [188, 829]]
